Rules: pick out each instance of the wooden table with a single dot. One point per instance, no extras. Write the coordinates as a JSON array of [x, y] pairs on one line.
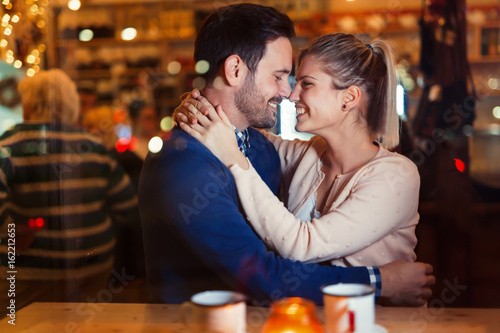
[[156, 318]]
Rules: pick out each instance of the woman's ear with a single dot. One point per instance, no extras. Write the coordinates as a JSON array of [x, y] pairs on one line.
[[351, 97], [235, 70]]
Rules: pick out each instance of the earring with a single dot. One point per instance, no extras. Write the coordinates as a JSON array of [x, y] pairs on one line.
[[344, 106]]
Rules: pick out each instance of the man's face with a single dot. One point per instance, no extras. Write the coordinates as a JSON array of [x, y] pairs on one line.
[[259, 97]]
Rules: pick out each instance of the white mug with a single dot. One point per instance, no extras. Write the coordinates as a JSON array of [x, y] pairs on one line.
[[215, 311], [349, 308]]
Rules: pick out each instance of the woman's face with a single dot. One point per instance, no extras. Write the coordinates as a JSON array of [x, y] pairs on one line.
[[318, 104]]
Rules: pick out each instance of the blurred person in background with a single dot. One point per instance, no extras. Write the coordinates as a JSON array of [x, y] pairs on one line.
[[145, 125], [100, 122], [60, 190], [88, 97]]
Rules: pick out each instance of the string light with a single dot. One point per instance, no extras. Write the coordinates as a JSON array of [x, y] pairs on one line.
[[36, 11]]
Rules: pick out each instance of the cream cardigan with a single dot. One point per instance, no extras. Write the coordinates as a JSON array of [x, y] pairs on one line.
[[369, 220]]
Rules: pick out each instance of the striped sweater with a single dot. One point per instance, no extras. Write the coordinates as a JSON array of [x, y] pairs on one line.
[[64, 176]]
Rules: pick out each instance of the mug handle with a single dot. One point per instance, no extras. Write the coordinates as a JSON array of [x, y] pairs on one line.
[[185, 308]]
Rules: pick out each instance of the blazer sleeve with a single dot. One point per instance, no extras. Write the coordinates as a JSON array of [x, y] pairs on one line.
[[199, 202], [383, 199]]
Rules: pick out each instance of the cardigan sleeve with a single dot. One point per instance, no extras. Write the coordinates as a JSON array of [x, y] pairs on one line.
[[383, 199]]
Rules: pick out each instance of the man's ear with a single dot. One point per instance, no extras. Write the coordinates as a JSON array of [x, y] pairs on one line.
[[235, 70]]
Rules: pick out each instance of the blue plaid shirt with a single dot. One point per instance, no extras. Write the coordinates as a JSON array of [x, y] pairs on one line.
[[243, 142]]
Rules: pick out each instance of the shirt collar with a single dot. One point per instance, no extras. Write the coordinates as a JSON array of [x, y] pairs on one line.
[[242, 137]]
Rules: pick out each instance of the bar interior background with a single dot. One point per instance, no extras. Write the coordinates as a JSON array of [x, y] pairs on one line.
[[128, 49]]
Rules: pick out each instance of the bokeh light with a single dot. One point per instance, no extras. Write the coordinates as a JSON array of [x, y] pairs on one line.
[[122, 144], [86, 35], [74, 4], [129, 33], [174, 67], [494, 83], [496, 112], [155, 144], [199, 83], [202, 67], [219, 82], [166, 124], [459, 165]]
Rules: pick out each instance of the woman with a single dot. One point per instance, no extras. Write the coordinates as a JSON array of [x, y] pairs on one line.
[[350, 201]]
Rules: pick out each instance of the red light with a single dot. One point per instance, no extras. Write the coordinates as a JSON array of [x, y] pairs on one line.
[[32, 223], [459, 165], [133, 143], [122, 144], [39, 222]]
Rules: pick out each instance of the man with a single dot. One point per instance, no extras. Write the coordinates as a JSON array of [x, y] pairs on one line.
[[194, 233]]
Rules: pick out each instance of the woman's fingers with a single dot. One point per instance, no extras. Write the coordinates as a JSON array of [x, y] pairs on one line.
[[206, 107], [223, 116], [195, 112], [189, 130], [182, 118]]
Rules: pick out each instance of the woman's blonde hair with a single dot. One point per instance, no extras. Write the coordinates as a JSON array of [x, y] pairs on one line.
[[371, 67], [50, 96]]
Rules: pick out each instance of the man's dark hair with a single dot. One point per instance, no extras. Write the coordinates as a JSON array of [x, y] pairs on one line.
[[242, 29]]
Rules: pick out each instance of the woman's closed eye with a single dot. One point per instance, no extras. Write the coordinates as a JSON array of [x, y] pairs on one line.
[[278, 78], [306, 84]]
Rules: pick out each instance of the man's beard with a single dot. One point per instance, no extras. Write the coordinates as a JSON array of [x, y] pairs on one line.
[[253, 105]]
